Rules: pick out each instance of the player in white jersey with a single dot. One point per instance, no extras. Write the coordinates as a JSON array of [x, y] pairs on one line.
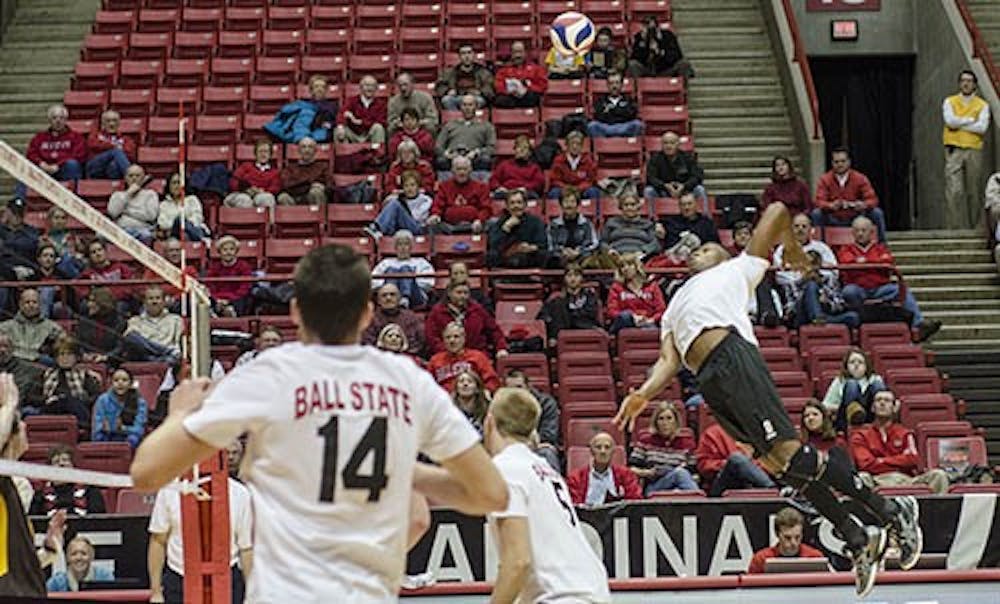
[[334, 433], [706, 328], [544, 556]]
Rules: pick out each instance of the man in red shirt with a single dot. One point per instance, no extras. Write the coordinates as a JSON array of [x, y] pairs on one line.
[[788, 527], [601, 481], [58, 150], [461, 204], [481, 329], [888, 451], [363, 118], [456, 358], [727, 464], [574, 168], [109, 152], [520, 83], [844, 194], [875, 284]]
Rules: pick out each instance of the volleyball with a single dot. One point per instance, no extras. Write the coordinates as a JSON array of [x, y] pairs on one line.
[[572, 33]]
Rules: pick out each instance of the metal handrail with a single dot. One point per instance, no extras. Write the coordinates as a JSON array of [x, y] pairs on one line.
[[980, 50]]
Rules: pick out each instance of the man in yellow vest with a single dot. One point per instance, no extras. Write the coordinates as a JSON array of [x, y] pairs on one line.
[[966, 118]]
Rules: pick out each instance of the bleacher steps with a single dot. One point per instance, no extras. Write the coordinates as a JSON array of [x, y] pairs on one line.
[[974, 376]]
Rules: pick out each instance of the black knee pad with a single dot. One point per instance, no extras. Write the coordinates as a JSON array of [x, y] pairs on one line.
[[804, 467]]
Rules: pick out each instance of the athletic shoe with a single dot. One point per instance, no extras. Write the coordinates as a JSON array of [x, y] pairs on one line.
[[927, 329], [867, 561], [905, 531], [372, 230]]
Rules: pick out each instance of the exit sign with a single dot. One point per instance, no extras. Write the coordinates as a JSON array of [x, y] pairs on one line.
[[843, 5]]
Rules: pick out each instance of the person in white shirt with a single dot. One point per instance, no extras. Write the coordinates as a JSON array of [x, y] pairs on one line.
[[414, 291], [544, 556], [706, 328], [333, 434], [802, 231]]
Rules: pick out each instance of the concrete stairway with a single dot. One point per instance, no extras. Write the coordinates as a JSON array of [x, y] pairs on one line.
[[974, 376], [738, 109], [39, 51], [987, 16]]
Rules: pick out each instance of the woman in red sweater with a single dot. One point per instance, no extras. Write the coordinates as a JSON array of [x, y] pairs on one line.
[[574, 168], [519, 172], [255, 183], [231, 298], [786, 187], [633, 301], [408, 158], [662, 455], [817, 428]]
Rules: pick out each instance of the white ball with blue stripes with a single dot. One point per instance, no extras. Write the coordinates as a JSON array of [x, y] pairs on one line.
[[572, 33]]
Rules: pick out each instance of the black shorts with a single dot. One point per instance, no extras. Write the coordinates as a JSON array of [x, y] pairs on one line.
[[738, 389]]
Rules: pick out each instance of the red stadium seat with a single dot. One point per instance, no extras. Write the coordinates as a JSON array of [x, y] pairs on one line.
[[941, 429], [579, 457], [662, 119], [915, 409], [823, 358], [604, 11], [534, 364], [381, 67], [186, 72], [385, 17], [104, 47], [104, 457], [332, 17], [811, 336], [633, 338], [224, 100], [238, 44], [163, 131], [158, 21], [618, 152], [470, 15], [149, 46], [114, 21], [85, 104], [579, 431], [590, 396], [576, 340], [281, 43], [201, 19], [634, 365], [98, 75], [677, 495], [505, 35], [467, 248], [244, 18], [169, 101], [511, 122], [578, 364], [282, 254], [420, 40], [752, 494], [277, 71], [50, 429], [347, 220], [422, 15], [477, 36], [217, 130], [139, 74], [772, 336], [298, 222], [194, 44], [661, 91], [877, 334], [837, 236], [423, 67], [269, 99], [231, 71], [334, 69], [138, 503], [377, 41], [897, 356], [640, 9], [913, 380], [37, 453], [253, 130], [95, 191], [794, 406], [199, 156], [792, 383], [287, 18], [782, 359], [159, 161], [361, 245], [955, 451], [328, 42]]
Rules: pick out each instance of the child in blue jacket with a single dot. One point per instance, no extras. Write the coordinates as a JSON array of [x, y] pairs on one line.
[[120, 413]]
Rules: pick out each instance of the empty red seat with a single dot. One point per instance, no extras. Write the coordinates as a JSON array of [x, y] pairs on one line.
[[298, 222], [369, 41], [915, 409], [811, 336], [913, 380], [332, 17], [334, 69], [896, 356], [158, 21], [159, 161], [837, 236], [112, 457], [223, 100], [139, 74], [782, 359], [640, 9], [37, 453], [328, 42], [772, 336], [50, 429], [277, 70], [170, 100], [231, 71], [162, 131], [618, 152], [201, 19], [576, 340], [243, 223], [792, 383], [104, 47], [253, 130], [571, 364], [217, 130], [823, 358], [282, 43], [194, 44], [282, 254], [634, 365], [661, 91], [138, 503], [658, 120], [511, 122], [149, 46], [423, 67], [386, 16], [590, 396], [97, 75], [238, 44], [604, 11], [422, 15], [269, 99], [347, 220], [132, 103], [534, 364], [199, 156], [877, 334], [186, 73], [287, 18], [467, 248], [114, 21], [470, 15], [93, 191], [85, 104], [379, 67], [244, 18]]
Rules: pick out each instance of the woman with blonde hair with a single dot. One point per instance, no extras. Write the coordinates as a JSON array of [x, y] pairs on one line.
[[392, 338], [633, 300], [662, 455]]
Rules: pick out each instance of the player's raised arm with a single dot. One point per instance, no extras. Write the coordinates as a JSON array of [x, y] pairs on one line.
[[775, 227], [515, 559], [660, 376], [467, 482]]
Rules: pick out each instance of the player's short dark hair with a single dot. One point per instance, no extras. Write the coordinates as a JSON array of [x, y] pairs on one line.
[[787, 518], [331, 290]]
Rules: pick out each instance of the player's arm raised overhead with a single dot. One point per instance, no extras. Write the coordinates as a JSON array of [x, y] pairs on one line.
[[467, 482], [660, 376], [515, 559], [775, 227]]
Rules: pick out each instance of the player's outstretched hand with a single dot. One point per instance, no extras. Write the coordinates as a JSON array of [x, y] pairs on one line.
[[189, 395], [631, 408]]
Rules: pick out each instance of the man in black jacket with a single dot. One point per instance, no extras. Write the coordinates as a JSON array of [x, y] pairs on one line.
[[656, 52], [516, 239], [689, 221], [615, 113], [672, 172]]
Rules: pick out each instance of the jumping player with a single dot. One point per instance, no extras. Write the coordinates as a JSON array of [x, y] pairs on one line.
[[334, 433], [544, 556], [706, 328]]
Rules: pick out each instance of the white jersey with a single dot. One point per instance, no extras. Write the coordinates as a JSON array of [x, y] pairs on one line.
[[564, 567], [717, 297], [334, 434]]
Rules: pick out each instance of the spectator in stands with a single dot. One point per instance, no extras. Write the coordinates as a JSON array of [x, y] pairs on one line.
[[602, 481], [875, 284], [81, 568], [817, 296], [656, 52], [817, 428], [575, 168], [19, 238], [327, 109], [414, 291], [136, 208], [471, 397], [726, 464], [547, 446], [66, 243], [27, 375], [418, 100], [410, 129], [305, 182], [843, 194], [572, 237], [615, 113], [407, 159], [630, 232], [32, 335], [109, 152], [120, 413], [481, 329], [461, 204], [690, 220], [169, 218], [68, 388], [51, 297], [788, 528], [59, 150], [742, 232], [516, 239], [231, 299], [363, 118], [672, 172], [849, 397], [407, 210], [268, 336], [101, 329], [603, 57], [518, 172], [966, 120], [564, 67], [787, 187], [101, 268], [389, 311], [255, 183], [520, 83], [458, 272], [802, 230], [633, 300], [392, 338], [76, 499], [575, 307], [446, 365], [662, 455], [466, 136], [467, 77], [888, 451], [154, 335]]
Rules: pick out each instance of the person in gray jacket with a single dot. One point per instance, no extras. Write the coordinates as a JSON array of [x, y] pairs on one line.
[[136, 208], [419, 100], [572, 236], [630, 232], [31, 334], [475, 139]]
